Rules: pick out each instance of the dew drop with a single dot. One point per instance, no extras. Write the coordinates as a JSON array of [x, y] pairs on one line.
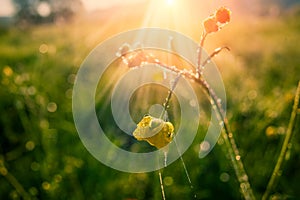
[[243, 186], [170, 44], [123, 50], [204, 146], [165, 158], [244, 178], [193, 103], [165, 74]]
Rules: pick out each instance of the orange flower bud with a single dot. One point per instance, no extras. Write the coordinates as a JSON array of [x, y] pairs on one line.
[[223, 15], [210, 25]]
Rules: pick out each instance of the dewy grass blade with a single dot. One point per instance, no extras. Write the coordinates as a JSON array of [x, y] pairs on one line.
[[287, 140]]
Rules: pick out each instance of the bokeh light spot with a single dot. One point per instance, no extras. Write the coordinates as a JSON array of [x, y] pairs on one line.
[[43, 48], [44, 9], [44, 124], [7, 71], [3, 171], [168, 181], [30, 145], [52, 107], [46, 185], [35, 166], [224, 177], [33, 191]]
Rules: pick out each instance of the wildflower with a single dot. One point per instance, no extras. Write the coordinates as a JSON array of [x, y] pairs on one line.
[[155, 131], [223, 15], [210, 25], [215, 22]]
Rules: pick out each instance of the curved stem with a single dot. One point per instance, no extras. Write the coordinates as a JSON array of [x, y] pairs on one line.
[[202, 39], [284, 148], [166, 104], [229, 141], [227, 134]]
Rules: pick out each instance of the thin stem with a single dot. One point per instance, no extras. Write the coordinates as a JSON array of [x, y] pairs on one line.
[[284, 148], [161, 185], [185, 170], [213, 54], [166, 104], [13, 181], [202, 39], [227, 134], [230, 143]]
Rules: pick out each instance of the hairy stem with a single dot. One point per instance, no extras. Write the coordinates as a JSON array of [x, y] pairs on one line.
[[284, 148], [213, 54], [166, 104], [227, 134], [229, 141], [202, 39]]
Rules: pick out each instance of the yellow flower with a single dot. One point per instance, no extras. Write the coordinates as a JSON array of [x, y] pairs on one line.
[[155, 131]]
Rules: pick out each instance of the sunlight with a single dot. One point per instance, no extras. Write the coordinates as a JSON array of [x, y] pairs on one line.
[[166, 14], [170, 2]]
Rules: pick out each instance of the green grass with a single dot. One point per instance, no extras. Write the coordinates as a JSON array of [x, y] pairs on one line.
[[40, 148]]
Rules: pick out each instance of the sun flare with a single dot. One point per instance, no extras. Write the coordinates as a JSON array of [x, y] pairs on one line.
[[170, 2]]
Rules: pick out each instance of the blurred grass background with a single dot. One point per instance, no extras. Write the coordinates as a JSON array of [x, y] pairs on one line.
[[42, 157]]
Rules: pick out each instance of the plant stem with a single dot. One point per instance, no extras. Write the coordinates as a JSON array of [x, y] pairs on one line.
[[284, 148], [166, 104], [230, 143], [13, 181], [161, 185], [227, 134], [202, 39]]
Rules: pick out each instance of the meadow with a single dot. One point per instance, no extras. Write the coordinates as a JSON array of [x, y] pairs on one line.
[[42, 157]]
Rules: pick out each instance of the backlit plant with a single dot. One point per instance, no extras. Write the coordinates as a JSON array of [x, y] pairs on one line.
[[159, 132]]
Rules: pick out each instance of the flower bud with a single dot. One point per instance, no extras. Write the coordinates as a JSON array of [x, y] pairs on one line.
[[210, 25], [223, 15]]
